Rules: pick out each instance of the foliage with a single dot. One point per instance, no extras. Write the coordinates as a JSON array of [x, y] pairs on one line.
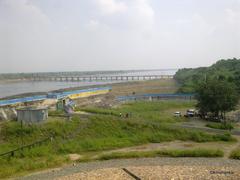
[[228, 69], [217, 97]]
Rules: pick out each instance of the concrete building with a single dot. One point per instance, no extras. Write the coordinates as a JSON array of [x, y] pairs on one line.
[[30, 115]]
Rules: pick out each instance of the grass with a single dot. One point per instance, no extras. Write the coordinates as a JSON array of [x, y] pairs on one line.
[[235, 154], [143, 111], [99, 111], [225, 126], [151, 122], [164, 153], [20, 166], [56, 113]]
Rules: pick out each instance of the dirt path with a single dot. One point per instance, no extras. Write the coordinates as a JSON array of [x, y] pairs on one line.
[[148, 168], [226, 147]]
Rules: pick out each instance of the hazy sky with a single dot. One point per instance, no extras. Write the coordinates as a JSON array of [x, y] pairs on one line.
[[80, 35]]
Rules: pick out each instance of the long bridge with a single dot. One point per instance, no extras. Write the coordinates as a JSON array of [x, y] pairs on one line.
[[100, 78]]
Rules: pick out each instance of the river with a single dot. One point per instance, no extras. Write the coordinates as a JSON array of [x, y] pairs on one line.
[[15, 88]]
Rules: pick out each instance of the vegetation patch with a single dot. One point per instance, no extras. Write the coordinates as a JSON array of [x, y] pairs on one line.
[[56, 113], [225, 126], [21, 165], [94, 110], [164, 153], [151, 122], [143, 111], [228, 69], [235, 154]]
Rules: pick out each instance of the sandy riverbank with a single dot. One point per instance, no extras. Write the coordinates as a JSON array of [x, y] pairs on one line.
[[122, 88]]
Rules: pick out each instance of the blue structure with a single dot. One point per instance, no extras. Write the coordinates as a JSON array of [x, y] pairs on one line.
[[156, 96], [60, 95], [69, 93], [22, 100], [32, 115]]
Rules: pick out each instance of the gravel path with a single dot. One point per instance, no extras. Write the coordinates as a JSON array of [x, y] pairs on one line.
[[147, 168]]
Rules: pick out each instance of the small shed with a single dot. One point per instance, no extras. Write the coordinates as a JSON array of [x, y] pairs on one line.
[[32, 114]]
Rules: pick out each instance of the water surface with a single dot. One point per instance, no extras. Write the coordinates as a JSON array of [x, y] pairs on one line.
[[10, 88]]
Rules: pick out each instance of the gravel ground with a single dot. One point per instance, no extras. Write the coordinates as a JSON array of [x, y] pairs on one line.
[[147, 168], [159, 172]]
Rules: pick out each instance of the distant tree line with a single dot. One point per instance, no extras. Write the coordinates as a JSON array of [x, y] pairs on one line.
[[217, 87], [228, 70]]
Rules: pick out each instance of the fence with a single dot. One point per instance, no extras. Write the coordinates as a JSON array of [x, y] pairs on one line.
[[156, 96], [11, 153]]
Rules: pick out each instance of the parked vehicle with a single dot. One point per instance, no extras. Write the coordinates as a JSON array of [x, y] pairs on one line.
[[190, 113], [177, 114]]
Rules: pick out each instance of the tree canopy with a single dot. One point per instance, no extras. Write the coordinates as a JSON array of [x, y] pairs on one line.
[[216, 96]]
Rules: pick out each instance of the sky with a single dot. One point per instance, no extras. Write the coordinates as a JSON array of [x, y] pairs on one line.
[[87, 35]]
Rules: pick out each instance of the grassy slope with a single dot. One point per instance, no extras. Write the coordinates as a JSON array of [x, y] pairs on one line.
[[150, 122]]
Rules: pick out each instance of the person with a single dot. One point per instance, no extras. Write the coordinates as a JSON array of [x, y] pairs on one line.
[[120, 114]]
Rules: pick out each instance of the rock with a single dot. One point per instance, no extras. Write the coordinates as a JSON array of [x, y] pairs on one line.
[[74, 157]]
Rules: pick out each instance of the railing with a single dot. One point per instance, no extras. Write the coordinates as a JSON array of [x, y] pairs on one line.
[[13, 152], [100, 78]]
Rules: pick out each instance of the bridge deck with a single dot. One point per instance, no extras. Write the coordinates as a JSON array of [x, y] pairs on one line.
[[100, 78]]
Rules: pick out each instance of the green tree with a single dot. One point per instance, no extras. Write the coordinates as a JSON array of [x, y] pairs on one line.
[[237, 80], [216, 96]]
